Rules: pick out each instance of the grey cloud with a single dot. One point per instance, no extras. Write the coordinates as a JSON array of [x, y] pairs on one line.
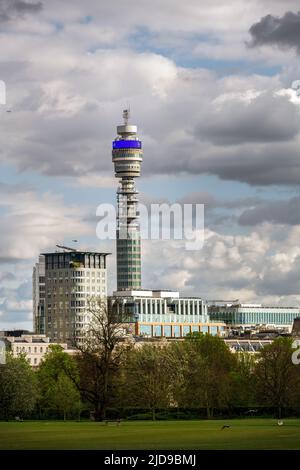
[[264, 164], [211, 202], [260, 164], [281, 31], [276, 282], [10, 9], [278, 212], [56, 142], [267, 118]]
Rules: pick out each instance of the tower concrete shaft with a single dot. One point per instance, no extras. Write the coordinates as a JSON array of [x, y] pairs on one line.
[[127, 156]]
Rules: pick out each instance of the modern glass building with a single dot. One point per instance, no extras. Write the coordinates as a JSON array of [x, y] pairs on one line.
[[251, 315], [127, 156], [165, 314]]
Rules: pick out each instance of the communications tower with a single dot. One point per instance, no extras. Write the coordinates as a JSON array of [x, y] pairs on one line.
[[127, 156]]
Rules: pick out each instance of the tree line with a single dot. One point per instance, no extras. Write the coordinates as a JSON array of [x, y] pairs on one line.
[[109, 374]]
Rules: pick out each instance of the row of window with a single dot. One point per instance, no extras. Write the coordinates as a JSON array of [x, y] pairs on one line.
[[136, 269], [176, 330], [31, 349], [129, 277], [128, 254], [68, 273], [79, 291], [159, 307], [65, 260], [75, 282], [62, 313], [254, 318], [126, 284]]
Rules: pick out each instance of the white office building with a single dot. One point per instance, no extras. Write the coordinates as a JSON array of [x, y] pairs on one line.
[[63, 283], [163, 313]]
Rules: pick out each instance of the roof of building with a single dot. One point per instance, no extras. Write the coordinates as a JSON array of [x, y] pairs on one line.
[[83, 252]]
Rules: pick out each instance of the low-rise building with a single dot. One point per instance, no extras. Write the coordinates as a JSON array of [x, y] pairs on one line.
[[253, 315], [33, 346], [163, 313]]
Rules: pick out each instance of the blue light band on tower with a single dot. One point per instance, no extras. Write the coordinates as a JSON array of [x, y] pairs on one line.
[[127, 144]]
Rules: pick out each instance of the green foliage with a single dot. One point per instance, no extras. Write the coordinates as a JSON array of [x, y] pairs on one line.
[[207, 375], [181, 378], [18, 391], [277, 379], [147, 378], [243, 381], [58, 375], [101, 355]]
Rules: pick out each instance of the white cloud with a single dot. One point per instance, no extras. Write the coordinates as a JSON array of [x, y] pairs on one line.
[[259, 266], [32, 223]]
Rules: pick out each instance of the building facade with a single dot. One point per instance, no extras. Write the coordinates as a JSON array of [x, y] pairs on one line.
[[127, 157], [34, 347], [165, 314], [252, 315], [71, 278], [38, 289]]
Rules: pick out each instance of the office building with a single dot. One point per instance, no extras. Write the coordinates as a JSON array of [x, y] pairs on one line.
[[68, 278], [253, 315], [165, 314]]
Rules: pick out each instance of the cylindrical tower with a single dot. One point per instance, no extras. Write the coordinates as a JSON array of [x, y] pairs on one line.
[[127, 156]]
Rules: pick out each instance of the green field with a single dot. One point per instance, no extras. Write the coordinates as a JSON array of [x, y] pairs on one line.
[[242, 434]]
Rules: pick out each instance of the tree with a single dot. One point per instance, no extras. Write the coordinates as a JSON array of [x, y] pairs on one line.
[[148, 378], [207, 374], [178, 360], [277, 378], [18, 391], [101, 355], [243, 387], [58, 376]]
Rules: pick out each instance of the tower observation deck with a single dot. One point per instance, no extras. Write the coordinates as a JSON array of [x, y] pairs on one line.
[[127, 157]]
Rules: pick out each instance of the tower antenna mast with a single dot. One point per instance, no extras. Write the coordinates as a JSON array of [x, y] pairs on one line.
[[127, 157], [126, 115]]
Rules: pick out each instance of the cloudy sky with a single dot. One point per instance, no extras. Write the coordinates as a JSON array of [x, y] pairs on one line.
[[210, 86]]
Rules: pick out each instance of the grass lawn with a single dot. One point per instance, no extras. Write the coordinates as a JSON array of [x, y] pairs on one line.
[[242, 434]]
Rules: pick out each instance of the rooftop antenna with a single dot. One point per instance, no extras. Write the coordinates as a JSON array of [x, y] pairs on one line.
[[66, 248], [126, 115]]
